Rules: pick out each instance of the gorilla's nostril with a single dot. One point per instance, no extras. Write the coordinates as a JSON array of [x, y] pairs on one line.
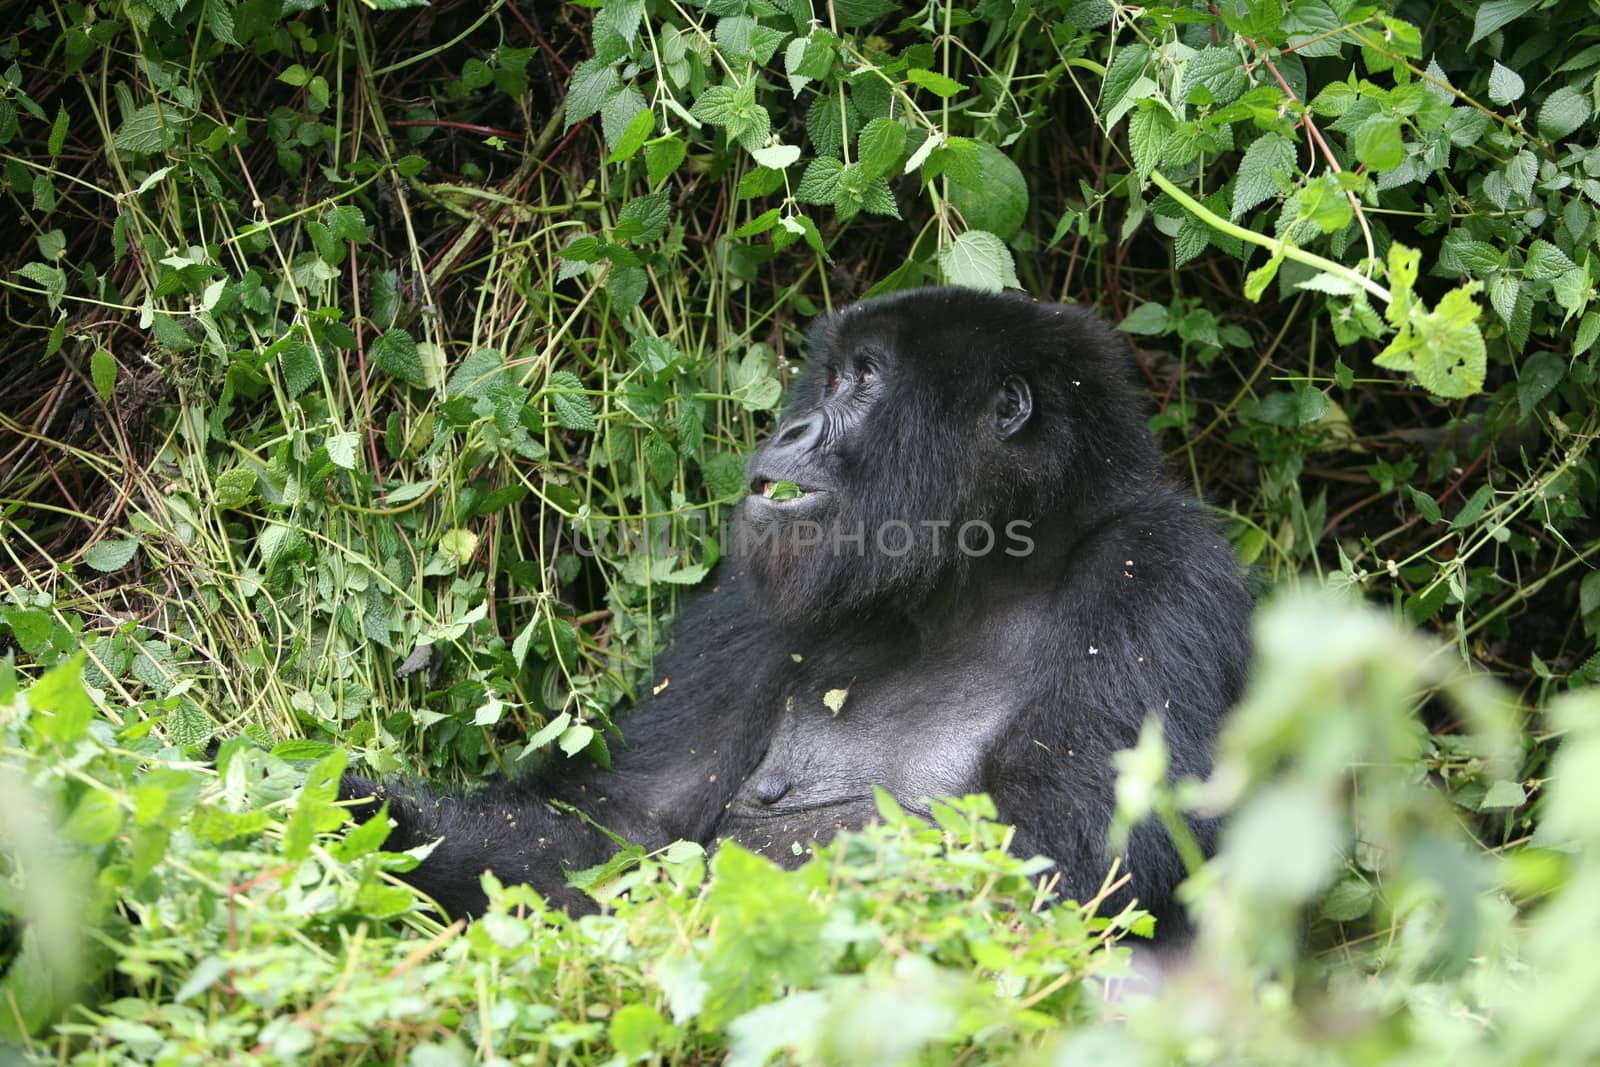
[[771, 790]]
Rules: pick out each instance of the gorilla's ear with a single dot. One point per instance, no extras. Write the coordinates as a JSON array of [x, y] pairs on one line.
[[1013, 407]]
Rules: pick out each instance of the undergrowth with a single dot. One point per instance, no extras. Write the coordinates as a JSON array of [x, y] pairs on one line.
[[376, 380]]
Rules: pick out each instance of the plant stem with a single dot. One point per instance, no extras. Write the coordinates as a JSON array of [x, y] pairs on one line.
[[1276, 247]]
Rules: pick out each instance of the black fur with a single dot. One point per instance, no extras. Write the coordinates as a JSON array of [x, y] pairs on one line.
[[1017, 671]]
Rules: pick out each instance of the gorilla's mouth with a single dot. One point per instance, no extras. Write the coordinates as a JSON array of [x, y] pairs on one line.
[[779, 491]]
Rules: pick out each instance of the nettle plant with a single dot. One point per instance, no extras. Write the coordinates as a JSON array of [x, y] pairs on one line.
[[828, 116], [822, 117]]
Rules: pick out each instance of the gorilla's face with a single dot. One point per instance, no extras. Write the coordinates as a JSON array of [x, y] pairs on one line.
[[925, 424]]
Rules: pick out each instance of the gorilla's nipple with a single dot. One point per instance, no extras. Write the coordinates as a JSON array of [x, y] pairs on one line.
[[772, 788]]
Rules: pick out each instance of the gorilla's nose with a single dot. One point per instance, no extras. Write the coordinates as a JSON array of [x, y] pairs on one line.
[[771, 789], [801, 434]]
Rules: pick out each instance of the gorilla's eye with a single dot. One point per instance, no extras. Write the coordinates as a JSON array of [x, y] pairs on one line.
[[865, 371], [833, 379]]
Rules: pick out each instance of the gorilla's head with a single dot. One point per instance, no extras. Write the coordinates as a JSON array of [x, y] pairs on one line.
[[928, 426]]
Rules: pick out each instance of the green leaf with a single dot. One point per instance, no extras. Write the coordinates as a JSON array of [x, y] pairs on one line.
[[1505, 84], [626, 287], [775, 158], [111, 555], [1378, 143], [1127, 66], [1349, 899], [664, 157], [149, 129], [1148, 129], [1503, 794], [820, 183], [574, 410], [717, 105], [53, 279], [1443, 348], [1269, 157], [576, 738], [235, 487], [59, 693], [342, 449], [1562, 112], [395, 353], [58, 132], [1146, 319], [1546, 261], [1256, 281], [979, 260], [1473, 508], [853, 13], [593, 81], [644, 218], [881, 144], [1493, 14], [103, 370], [937, 84], [347, 223], [1537, 378], [552, 729], [637, 1029], [634, 135]]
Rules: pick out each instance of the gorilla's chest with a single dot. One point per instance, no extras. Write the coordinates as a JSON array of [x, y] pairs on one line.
[[918, 728]]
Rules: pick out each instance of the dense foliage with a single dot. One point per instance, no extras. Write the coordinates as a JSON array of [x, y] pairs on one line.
[[378, 377]]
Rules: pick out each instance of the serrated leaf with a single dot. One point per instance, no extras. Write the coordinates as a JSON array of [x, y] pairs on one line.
[[820, 183], [1148, 128], [592, 82], [574, 410], [149, 129], [979, 260], [937, 84], [1442, 348], [1268, 155], [1126, 67], [58, 132], [297, 362], [342, 449], [1562, 112], [881, 143], [347, 223], [644, 218], [395, 353], [1493, 14], [1505, 84], [1546, 261], [235, 487], [111, 554], [853, 13], [626, 287]]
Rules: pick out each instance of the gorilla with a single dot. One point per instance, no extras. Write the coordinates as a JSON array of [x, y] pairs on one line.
[[959, 569]]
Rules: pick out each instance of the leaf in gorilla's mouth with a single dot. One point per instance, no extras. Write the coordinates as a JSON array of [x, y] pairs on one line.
[[781, 491]]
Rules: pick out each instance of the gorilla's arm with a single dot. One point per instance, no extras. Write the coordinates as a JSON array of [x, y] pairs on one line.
[[685, 751], [1151, 619]]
